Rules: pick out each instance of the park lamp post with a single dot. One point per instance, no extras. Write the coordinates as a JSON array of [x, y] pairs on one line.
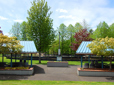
[[59, 58], [59, 53]]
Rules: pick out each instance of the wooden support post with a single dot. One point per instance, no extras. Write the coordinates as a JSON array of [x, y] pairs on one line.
[[31, 59], [28, 58], [81, 61], [2, 57], [11, 59], [15, 57], [89, 59], [102, 60]]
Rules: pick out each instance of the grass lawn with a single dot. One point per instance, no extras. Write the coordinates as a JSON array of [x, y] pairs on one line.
[[31, 82], [44, 62]]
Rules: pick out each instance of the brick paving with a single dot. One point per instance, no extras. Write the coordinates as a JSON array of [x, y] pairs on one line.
[[42, 72]]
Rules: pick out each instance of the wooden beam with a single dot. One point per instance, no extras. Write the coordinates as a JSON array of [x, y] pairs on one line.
[[84, 54], [11, 59], [89, 58], [102, 60], [81, 61], [31, 59]]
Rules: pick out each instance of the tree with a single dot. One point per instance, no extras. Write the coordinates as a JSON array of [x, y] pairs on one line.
[[77, 27], [102, 31], [82, 35], [16, 30], [40, 25], [111, 30], [70, 32], [9, 44], [24, 33], [85, 25], [104, 47], [91, 31], [54, 47], [63, 32], [1, 31]]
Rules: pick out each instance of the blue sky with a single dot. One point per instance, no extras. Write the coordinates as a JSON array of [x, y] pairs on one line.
[[64, 11]]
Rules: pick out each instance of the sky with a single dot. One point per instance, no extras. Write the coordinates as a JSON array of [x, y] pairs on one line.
[[64, 11]]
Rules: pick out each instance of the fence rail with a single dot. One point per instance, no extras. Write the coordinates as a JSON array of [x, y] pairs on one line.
[[64, 58]]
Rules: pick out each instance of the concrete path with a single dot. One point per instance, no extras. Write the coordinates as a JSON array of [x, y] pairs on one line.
[[42, 72]]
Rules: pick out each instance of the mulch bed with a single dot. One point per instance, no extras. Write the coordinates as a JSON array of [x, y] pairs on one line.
[[96, 69], [3, 68]]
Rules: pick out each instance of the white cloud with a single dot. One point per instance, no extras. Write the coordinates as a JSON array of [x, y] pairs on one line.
[[18, 20], [3, 18], [67, 17], [61, 10], [93, 13], [72, 21]]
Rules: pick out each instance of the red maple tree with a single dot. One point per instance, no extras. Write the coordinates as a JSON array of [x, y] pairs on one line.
[[82, 35], [1, 31]]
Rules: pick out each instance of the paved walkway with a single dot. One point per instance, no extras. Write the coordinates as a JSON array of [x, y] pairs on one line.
[[42, 72]]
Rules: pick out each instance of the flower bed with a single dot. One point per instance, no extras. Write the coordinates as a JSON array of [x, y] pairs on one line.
[[95, 72], [17, 70]]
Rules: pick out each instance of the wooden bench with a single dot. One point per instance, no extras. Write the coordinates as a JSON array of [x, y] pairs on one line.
[[57, 64]]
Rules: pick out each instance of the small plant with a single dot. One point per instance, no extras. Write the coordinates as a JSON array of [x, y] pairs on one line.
[[16, 68]]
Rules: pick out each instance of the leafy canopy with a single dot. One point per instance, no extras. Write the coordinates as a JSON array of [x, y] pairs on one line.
[[82, 35], [9, 44], [102, 31], [102, 46], [40, 24], [16, 30]]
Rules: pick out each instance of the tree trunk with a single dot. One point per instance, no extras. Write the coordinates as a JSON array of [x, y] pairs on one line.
[[62, 46], [71, 44], [39, 56], [111, 63], [45, 53]]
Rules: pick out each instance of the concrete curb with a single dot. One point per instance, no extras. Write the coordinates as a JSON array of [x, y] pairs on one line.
[[18, 72]]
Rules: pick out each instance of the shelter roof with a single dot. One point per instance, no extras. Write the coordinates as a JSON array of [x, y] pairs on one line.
[[83, 49], [29, 47]]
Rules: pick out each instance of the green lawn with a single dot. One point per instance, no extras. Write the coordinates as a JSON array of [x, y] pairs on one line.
[[44, 62], [31, 82]]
